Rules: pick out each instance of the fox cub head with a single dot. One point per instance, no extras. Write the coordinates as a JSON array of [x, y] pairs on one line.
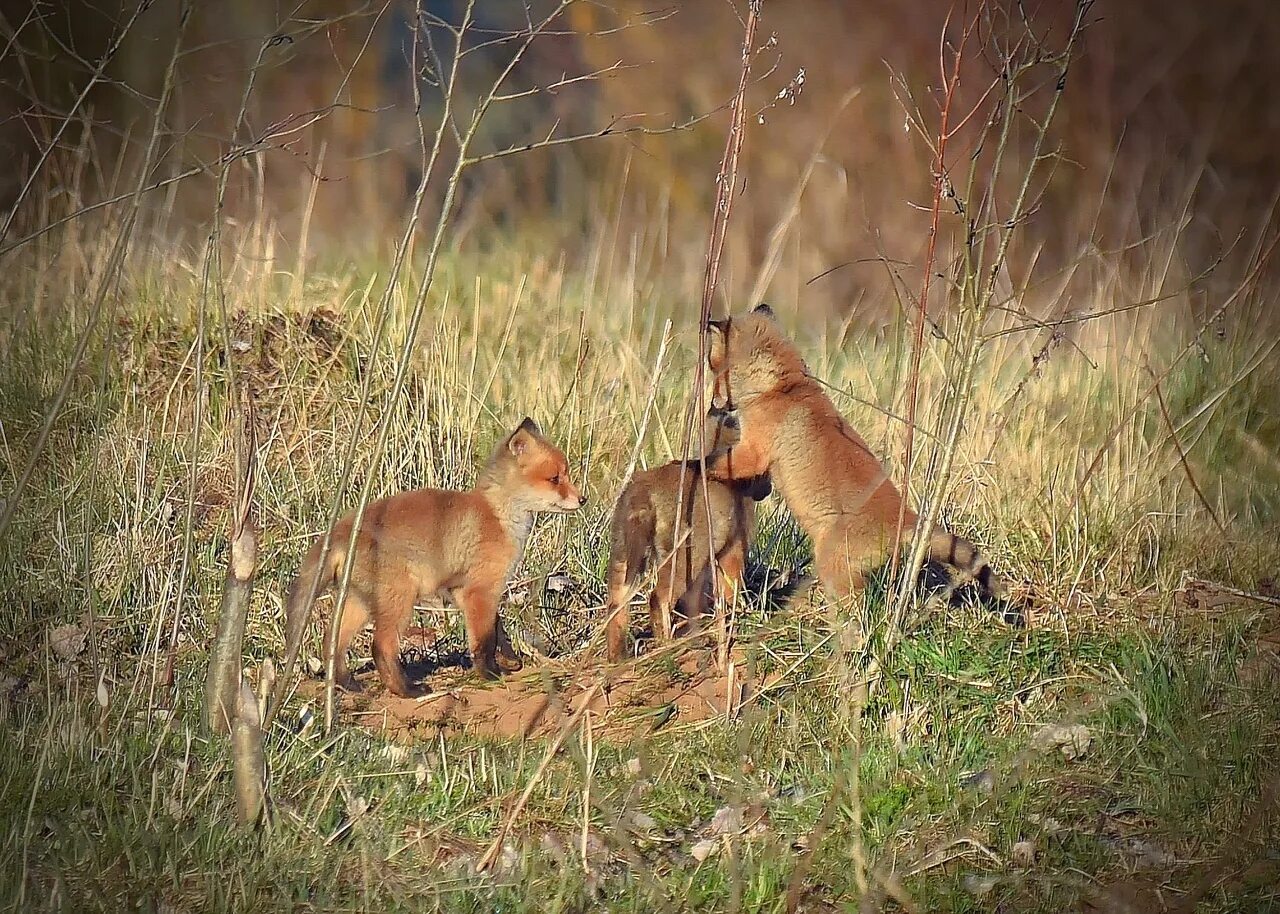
[[538, 470], [721, 431], [749, 356]]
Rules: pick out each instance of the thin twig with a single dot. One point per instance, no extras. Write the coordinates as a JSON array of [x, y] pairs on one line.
[[726, 186], [495, 847], [1182, 455]]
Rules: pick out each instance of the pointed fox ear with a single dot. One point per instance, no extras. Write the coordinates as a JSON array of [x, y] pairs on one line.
[[765, 310], [719, 326], [522, 437]]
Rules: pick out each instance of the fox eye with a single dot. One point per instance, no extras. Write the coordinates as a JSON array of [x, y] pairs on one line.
[[555, 480]]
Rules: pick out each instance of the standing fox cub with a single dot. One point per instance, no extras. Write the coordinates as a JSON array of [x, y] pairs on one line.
[[462, 546], [830, 480], [644, 532]]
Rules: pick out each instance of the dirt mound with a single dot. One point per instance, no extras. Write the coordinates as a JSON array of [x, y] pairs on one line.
[[678, 684]]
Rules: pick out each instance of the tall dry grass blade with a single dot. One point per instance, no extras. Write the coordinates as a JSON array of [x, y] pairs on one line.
[[110, 276], [1182, 454], [650, 396], [495, 847]]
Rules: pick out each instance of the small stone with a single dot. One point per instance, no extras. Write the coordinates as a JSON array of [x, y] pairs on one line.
[[703, 849], [634, 768], [1023, 853], [420, 774]]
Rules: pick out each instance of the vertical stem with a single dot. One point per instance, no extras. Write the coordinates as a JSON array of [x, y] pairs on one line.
[[913, 375], [726, 183]]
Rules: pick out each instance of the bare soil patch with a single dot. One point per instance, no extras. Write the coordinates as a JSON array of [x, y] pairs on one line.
[[678, 684]]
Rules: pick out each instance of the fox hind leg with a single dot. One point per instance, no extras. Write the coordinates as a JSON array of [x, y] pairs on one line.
[[391, 618], [355, 616], [622, 574]]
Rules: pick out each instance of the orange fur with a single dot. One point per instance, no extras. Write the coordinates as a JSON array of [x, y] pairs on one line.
[[644, 535], [829, 478], [462, 546]]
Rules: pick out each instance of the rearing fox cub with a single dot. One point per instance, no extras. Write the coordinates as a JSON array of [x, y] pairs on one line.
[[643, 532], [459, 545], [830, 480]]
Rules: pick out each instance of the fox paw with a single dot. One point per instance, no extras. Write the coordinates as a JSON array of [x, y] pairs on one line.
[[413, 691]]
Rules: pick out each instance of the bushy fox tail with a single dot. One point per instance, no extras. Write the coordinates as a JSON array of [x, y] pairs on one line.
[[963, 555], [312, 578]]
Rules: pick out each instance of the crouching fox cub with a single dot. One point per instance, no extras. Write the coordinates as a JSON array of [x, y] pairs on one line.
[[462, 546], [644, 535], [827, 475]]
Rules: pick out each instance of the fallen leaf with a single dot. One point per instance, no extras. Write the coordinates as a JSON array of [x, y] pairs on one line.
[[703, 849], [1023, 853], [726, 821], [1072, 741], [978, 886], [67, 641]]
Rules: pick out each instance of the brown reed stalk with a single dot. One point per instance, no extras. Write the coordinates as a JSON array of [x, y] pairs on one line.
[[726, 184]]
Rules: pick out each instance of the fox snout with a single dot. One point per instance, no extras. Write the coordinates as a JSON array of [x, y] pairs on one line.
[[572, 500]]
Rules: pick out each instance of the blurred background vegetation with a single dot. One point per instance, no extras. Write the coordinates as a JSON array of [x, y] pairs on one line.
[[1168, 134]]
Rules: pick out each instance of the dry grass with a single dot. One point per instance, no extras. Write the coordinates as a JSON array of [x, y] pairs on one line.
[[1117, 464], [97, 543]]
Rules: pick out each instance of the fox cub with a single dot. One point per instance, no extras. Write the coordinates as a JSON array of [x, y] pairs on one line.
[[460, 546], [826, 474], [644, 535]]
